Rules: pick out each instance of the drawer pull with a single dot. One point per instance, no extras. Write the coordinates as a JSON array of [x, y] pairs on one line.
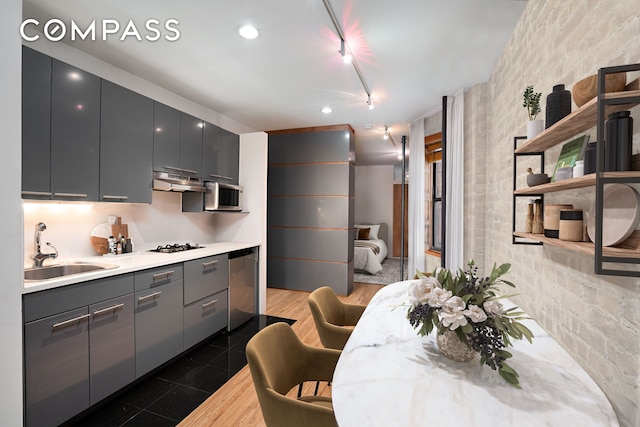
[[210, 264], [36, 193], [190, 171], [78, 195], [213, 175], [173, 168], [108, 309], [109, 197], [70, 321], [210, 303], [150, 296], [163, 276]]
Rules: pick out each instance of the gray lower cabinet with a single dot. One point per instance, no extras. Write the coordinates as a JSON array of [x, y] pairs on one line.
[[205, 297], [205, 276], [158, 317], [56, 368], [126, 145], [78, 347], [205, 317], [111, 346]]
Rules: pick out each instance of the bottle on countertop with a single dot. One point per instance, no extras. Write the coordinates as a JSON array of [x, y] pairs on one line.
[[123, 244], [128, 246], [112, 245]]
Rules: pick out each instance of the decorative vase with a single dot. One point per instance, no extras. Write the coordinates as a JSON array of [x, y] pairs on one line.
[[534, 128], [618, 142], [558, 105], [450, 346]]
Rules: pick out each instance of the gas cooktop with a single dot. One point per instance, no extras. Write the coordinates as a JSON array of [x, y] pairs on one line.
[[176, 247]]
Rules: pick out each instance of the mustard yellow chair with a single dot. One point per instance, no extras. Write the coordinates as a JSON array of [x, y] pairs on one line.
[[279, 361], [334, 319]]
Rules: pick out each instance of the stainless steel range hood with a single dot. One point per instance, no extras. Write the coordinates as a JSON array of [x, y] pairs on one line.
[[163, 181]]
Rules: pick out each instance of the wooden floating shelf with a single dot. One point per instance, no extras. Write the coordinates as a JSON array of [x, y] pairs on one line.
[[578, 121], [630, 248], [573, 183]]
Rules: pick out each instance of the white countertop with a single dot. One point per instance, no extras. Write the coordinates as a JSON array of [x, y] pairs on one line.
[[388, 375], [127, 263]]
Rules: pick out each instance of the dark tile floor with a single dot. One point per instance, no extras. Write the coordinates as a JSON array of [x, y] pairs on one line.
[[167, 396]]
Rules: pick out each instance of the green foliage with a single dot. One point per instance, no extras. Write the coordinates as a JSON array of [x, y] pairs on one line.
[[474, 290], [532, 102]]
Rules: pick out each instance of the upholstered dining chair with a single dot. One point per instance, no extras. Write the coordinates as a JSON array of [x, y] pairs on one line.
[[279, 361], [334, 319]]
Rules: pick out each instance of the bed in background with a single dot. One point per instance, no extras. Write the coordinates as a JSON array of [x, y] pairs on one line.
[[370, 247]]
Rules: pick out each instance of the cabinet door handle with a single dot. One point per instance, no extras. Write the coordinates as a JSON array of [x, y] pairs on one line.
[[108, 309], [110, 197], [210, 264], [162, 276], [173, 168], [70, 321], [221, 176], [190, 171], [36, 193], [79, 195], [150, 296], [208, 304]]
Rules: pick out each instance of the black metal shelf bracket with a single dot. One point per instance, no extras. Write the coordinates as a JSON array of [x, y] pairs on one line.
[[517, 240]]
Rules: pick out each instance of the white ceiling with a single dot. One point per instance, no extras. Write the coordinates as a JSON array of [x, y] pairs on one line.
[[410, 52]]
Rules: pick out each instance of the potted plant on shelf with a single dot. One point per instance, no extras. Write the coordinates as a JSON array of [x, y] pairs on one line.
[[532, 104]]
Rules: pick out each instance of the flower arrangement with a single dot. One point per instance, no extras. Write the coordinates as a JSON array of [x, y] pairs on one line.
[[469, 306], [531, 102]]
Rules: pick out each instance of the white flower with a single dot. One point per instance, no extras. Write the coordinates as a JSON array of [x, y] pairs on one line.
[[421, 289], [475, 313], [452, 313], [438, 296], [492, 307]]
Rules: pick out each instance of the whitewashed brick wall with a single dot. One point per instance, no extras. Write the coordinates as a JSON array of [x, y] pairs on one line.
[[595, 318]]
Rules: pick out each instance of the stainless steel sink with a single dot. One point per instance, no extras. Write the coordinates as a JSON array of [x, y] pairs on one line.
[[64, 269]]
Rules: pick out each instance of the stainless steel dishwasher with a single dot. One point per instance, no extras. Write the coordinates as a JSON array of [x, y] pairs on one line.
[[242, 286]]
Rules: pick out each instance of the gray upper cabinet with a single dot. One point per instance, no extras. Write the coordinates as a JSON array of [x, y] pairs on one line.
[[221, 155], [177, 142], [210, 144], [166, 138], [60, 130], [126, 148], [229, 156], [191, 145], [36, 124], [75, 133]]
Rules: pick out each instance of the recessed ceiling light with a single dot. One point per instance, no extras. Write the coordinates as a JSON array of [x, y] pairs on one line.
[[326, 110], [248, 32]]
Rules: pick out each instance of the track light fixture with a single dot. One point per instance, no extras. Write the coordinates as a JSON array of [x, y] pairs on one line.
[[345, 51], [346, 56], [386, 133]]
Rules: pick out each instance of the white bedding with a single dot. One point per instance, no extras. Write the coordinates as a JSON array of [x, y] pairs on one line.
[[366, 259]]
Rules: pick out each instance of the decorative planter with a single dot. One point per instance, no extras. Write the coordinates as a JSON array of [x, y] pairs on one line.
[[558, 105], [534, 128], [451, 347]]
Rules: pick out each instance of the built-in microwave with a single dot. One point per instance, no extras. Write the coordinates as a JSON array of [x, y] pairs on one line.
[[220, 196]]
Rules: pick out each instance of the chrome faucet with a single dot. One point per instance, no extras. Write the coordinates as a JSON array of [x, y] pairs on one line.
[[38, 257]]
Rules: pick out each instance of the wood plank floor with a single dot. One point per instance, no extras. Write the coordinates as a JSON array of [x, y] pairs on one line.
[[236, 402]]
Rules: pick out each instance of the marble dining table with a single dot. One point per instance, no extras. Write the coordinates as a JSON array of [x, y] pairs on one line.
[[388, 375]]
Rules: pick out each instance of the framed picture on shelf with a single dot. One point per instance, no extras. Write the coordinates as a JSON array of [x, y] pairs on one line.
[[571, 151]]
